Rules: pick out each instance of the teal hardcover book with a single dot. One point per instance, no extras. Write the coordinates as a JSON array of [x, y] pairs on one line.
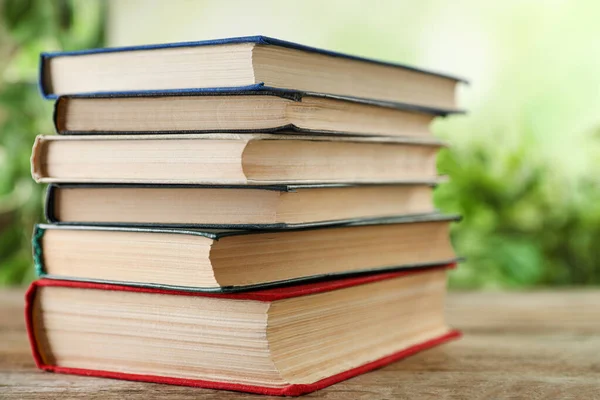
[[235, 260]]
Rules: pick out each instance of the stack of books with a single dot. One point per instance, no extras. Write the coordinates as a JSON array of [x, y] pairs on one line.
[[245, 214]]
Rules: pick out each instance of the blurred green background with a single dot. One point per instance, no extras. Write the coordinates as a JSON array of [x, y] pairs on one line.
[[523, 163]]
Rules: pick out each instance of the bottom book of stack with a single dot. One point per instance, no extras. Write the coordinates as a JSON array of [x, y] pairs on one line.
[[281, 341]]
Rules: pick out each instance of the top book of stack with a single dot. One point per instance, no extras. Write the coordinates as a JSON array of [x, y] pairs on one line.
[[254, 63]]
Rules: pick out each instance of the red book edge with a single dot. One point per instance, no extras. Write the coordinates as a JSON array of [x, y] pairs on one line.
[[263, 295]]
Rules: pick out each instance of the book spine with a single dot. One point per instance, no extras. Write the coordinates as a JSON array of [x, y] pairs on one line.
[[36, 162], [42, 84], [29, 300], [49, 204], [58, 114], [37, 250]]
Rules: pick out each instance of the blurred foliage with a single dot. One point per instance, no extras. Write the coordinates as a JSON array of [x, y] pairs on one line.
[[27, 28], [522, 224]]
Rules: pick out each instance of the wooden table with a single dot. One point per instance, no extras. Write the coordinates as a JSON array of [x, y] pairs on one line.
[[537, 345]]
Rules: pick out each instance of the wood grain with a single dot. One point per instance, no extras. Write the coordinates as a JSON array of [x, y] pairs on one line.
[[535, 345]]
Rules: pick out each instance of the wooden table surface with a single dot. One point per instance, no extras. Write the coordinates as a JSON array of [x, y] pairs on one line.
[[536, 345]]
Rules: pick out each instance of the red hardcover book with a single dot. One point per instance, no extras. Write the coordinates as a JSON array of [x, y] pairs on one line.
[[284, 341]]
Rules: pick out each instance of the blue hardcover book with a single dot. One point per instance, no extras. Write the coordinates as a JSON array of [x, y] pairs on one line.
[[243, 63]]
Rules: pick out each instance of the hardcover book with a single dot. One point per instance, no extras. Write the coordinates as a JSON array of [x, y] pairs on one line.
[[232, 159], [250, 63], [235, 260], [285, 341], [239, 207], [240, 111]]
